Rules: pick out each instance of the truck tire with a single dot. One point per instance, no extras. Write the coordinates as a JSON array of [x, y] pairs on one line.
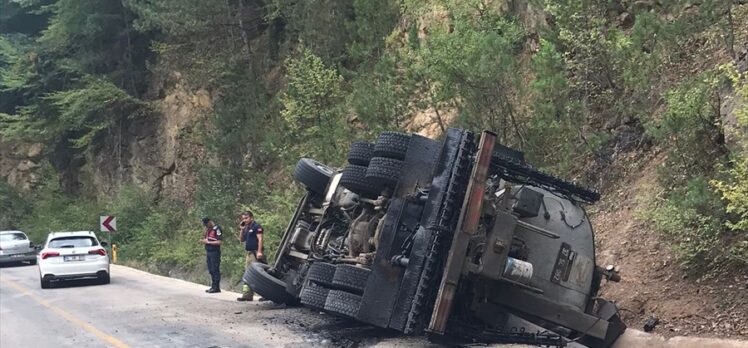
[[314, 296], [392, 145], [385, 171], [321, 273], [343, 303], [354, 179], [267, 286], [360, 153], [312, 174], [350, 278]]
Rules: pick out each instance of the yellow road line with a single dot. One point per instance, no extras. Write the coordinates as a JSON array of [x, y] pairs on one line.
[[69, 317]]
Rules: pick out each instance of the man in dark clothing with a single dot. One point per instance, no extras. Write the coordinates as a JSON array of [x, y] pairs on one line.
[[250, 233], [212, 240]]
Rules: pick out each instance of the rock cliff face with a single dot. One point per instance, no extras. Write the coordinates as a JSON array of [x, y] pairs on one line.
[[731, 104], [158, 152], [20, 163]]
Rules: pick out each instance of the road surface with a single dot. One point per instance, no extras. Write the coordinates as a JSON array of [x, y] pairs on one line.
[[139, 309]]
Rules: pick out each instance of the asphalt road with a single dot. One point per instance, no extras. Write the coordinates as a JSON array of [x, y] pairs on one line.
[[139, 309]]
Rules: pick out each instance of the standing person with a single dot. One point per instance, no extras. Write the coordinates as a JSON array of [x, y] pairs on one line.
[[250, 233], [212, 240]]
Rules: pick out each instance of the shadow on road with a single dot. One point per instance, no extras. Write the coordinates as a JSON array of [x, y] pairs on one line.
[[57, 284], [16, 264], [322, 330]]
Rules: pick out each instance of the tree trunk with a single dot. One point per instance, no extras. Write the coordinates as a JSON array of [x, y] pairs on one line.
[[245, 38]]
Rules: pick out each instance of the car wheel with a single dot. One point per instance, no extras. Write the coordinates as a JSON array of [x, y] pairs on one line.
[[343, 303], [385, 171], [266, 285], [354, 179], [350, 278], [360, 153], [45, 284], [321, 273], [314, 175], [392, 145], [105, 279], [314, 296]]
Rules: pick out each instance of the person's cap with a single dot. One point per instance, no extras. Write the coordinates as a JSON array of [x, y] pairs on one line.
[[205, 220]]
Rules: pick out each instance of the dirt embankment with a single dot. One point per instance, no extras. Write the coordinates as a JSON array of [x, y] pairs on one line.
[[653, 284]]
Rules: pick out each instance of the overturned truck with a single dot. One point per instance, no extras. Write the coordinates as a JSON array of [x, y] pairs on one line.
[[455, 237]]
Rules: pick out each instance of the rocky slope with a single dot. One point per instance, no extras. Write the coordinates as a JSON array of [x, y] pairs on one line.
[[159, 152]]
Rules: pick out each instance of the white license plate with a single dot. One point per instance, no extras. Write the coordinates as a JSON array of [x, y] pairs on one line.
[[74, 258]]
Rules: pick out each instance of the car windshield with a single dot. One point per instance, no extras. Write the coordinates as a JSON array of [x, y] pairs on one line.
[[6, 237], [72, 242]]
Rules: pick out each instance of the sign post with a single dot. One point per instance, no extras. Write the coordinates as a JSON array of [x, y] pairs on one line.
[[109, 224]]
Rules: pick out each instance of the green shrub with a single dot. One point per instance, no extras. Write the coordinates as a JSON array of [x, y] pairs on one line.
[[13, 206], [553, 131], [691, 218], [702, 224], [54, 210], [734, 189], [312, 108], [734, 193]]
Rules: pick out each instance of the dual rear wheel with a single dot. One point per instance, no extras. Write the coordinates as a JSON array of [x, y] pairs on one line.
[[335, 288], [373, 168]]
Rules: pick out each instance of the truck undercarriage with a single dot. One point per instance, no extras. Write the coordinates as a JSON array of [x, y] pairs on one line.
[[456, 236]]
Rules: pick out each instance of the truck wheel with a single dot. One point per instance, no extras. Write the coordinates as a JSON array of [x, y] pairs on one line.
[[385, 171], [321, 273], [267, 286], [312, 174], [350, 278], [392, 145], [354, 179], [314, 296], [360, 153], [343, 303]]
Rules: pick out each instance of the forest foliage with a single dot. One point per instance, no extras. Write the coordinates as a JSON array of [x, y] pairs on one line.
[[297, 78]]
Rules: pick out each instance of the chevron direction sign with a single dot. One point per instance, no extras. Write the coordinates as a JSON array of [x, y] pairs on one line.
[[108, 224]]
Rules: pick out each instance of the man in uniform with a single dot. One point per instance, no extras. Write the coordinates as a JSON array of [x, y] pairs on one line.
[[212, 240], [250, 233]]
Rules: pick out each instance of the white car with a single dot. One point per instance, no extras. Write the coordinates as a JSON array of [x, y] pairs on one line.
[[73, 255], [15, 246]]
